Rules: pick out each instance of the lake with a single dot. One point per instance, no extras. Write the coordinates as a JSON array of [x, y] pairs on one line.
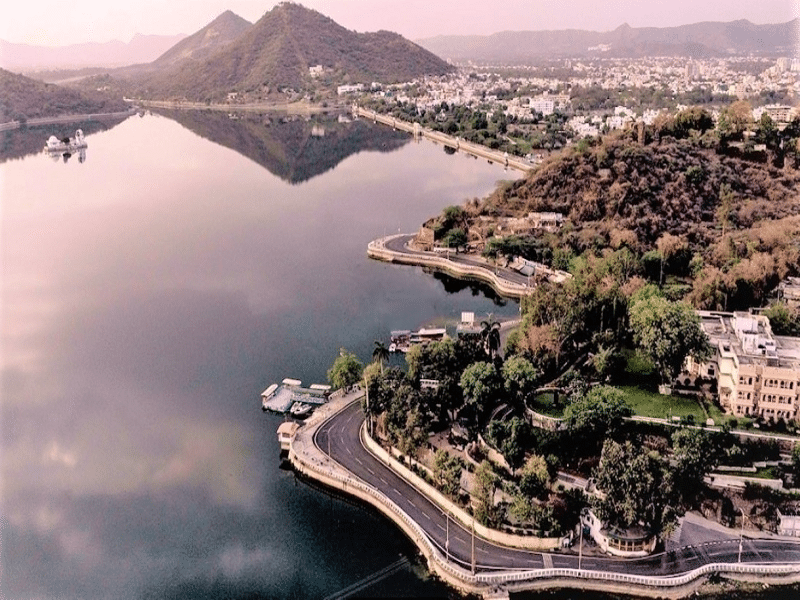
[[150, 293]]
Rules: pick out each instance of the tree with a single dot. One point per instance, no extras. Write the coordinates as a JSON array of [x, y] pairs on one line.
[[481, 385], [447, 472], [346, 370], [512, 438], [668, 333], [725, 208], [535, 477], [485, 484], [519, 379], [380, 354], [668, 245], [599, 413], [693, 457], [455, 238], [795, 467], [632, 480], [490, 333]]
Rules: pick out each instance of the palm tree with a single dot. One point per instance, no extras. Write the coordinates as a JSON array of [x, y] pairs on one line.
[[490, 333], [380, 354]]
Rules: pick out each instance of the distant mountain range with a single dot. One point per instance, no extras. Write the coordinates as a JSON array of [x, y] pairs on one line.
[[700, 40], [141, 49]]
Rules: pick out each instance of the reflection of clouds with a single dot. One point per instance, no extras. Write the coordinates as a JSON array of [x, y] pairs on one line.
[[54, 453], [139, 452]]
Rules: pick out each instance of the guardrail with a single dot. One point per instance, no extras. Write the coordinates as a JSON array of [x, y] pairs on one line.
[[377, 249], [483, 581]]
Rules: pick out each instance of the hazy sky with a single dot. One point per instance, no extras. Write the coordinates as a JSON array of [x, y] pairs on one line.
[[60, 22]]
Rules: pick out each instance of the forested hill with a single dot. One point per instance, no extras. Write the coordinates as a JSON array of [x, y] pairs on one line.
[[277, 51], [25, 98], [648, 190], [726, 226]]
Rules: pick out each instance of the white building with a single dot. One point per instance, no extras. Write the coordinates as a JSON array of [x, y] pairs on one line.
[[546, 106], [757, 373]]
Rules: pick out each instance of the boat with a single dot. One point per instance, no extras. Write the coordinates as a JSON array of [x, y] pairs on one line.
[[67, 144], [267, 394], [289, 397], [299, 409]]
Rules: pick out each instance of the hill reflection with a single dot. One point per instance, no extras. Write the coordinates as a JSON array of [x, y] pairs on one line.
[[294, 148], [29, 140]]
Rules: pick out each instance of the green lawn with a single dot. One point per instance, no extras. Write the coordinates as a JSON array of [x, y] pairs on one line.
[[651, 404], [543, 404]]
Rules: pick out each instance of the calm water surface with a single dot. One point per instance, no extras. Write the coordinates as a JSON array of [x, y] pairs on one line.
[[149, 294]]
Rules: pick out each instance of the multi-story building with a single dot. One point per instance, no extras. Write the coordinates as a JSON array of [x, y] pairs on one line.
[[757, 373]]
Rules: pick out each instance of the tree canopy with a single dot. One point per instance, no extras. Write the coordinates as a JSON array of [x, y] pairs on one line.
[[668, 333], [345, 371], [599, 413]]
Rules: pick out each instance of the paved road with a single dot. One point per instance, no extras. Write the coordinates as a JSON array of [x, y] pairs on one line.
[[399, 244], [339, 437]]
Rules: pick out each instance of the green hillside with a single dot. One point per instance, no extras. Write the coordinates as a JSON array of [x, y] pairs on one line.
[[277, 51], [24, 98]]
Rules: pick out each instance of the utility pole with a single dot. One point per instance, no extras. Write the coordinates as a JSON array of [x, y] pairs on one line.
[[447, 535], [741, 536], [473, 545]]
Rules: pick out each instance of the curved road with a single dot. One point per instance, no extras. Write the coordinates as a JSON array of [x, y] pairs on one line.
[[399, 244], [339, 437]]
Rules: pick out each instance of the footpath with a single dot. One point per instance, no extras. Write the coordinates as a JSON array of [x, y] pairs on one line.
[[312, 462]]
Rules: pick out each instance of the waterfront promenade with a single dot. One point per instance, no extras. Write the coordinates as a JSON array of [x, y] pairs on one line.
[[505, 281], [476, 150], [334, 448]]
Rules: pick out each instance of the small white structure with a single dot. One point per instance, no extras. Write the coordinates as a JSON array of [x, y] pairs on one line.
[[630, 543], [286, 431], [67, 144], [789, 524]]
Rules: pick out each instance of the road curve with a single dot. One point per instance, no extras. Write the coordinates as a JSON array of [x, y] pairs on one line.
[[339, 437]]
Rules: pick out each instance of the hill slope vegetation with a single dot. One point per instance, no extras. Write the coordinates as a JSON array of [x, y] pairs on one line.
[[277, 51]]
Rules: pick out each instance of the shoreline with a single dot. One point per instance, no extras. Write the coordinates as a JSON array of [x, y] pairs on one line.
[[310, 461]]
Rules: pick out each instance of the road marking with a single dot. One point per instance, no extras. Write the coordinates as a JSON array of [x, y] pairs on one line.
[[371, 471], [358, 460], [439, 526], [547, 560], [424, 514], [383, 480], [411, 503], [348, 450]]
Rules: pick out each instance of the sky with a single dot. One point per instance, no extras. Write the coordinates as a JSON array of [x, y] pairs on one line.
[[58, 23]]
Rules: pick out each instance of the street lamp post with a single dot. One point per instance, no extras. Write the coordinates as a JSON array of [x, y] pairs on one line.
[[741, 536], [447, 535]]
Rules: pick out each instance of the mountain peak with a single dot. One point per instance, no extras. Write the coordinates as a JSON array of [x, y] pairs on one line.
[[277, 51]]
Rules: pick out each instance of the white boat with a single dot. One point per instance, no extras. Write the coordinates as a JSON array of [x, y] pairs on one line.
[[300, 409], [66, 144]]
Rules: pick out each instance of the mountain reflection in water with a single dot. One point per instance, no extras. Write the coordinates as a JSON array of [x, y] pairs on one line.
[[292, 147]]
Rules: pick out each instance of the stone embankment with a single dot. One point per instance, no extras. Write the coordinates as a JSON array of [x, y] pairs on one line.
[[378, 250], [65, 119]]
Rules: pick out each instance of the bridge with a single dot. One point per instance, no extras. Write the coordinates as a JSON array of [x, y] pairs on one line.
[[415, 129]]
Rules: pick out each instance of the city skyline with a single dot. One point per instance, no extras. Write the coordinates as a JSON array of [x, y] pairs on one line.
[[50, 23]]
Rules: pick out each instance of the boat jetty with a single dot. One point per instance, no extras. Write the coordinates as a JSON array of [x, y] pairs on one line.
[[402, 340], [291, 398]]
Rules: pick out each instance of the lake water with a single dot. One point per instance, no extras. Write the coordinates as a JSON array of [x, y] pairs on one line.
[[150, 293]]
